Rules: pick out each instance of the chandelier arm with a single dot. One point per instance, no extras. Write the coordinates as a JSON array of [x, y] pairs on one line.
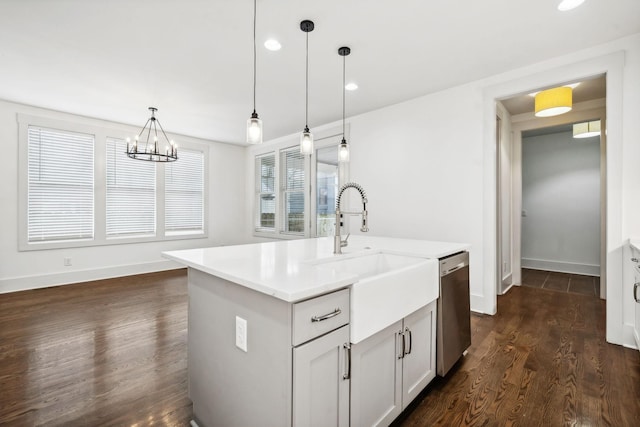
[[143, 128], [163, 132]]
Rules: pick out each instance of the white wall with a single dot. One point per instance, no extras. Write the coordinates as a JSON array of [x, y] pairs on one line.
[[561, 198], [32, 269]]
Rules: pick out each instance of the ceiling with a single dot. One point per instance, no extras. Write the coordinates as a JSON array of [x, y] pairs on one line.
[[192, 59]]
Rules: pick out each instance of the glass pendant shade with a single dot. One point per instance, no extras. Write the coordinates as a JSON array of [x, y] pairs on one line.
[[586, 129], [343, 152], [254, 130], [553, 102], [306, 142]]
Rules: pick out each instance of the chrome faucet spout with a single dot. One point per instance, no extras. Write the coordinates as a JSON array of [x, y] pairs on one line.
[[338, 243]]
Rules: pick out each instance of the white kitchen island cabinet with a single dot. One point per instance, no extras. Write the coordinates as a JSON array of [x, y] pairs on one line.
[[271, 332], [284, 378], [392, 367]]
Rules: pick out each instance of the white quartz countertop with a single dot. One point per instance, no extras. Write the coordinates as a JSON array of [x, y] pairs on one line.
[[285, 269], [635, 243]]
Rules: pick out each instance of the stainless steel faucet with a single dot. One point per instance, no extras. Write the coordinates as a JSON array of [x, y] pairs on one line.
[[338, 243]]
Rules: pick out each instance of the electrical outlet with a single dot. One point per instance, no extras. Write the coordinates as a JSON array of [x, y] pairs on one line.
[[67, 262], [241, 333]]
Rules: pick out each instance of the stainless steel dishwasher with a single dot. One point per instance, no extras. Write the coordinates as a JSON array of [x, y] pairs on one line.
[[454, 311]]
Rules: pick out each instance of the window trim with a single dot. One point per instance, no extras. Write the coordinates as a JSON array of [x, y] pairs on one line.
[[324, 137], [101, 132]]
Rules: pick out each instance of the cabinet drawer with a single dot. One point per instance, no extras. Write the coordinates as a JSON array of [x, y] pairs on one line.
[[317, 316]]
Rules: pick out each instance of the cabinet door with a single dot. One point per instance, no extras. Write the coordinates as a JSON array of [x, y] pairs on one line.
[[320, 390], [636, 293], [376, 378], [419, 363]]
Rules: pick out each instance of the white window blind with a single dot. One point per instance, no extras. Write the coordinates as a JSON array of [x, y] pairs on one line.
[[131, 193], [60, 185], [184, 193], [293, 174], [266, 176]]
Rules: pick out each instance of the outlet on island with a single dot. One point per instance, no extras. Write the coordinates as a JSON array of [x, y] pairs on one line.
[[241, 333]]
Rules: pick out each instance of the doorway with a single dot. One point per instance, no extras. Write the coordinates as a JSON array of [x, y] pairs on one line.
[[550, 237]]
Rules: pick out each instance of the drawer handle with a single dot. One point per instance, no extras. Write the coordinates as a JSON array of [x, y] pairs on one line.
[[634, 259], [402, 352], [635, 293], [334, 313]]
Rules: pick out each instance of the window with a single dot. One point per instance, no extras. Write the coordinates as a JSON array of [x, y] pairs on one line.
[[184, 194], [77, 187], [293, 173], [266, 191], [327, 174], [131, 193], [295, 194], [60, 188]]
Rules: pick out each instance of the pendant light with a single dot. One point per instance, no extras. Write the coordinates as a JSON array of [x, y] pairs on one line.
[[151, 149], [553, 102], [306, 138], [254, 124], [343, 150]]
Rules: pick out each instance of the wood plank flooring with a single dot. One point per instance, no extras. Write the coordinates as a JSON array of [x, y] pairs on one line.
[[113, 353], [541, 361], [104, 353]]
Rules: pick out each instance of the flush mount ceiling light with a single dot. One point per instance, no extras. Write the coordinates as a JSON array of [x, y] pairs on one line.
[[343, 150], [273, 45], [586, 129], [254, 124], [552, 102], [306, 138], [151, 149], [569, 4]]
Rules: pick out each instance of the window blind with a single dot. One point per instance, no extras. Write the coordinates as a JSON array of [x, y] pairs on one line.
[[266, 174], [184, 193], [131, 193], [60, 185], [293, 189]]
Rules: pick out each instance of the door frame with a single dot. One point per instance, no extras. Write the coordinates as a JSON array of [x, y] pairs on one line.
[[612, 65]]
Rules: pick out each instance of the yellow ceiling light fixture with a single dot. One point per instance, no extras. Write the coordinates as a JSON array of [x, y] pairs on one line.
[[552, 102], [586, 129]]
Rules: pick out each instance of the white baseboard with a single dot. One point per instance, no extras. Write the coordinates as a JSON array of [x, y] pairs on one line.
[[629, 338], [56, 279], [479, 305], [561, 266]]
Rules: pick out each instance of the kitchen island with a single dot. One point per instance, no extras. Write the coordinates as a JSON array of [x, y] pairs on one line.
[[283, 333]]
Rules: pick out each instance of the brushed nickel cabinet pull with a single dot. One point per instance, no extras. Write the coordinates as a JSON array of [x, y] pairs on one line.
[[347, 347], [635, 291], [326, 316], [402, 353], [410, 340]]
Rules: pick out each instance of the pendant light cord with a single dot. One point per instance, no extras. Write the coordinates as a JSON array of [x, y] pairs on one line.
[[306, 107], [254, 54], [344, 66]]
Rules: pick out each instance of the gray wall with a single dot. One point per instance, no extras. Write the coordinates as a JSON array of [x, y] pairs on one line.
[[561, 201]]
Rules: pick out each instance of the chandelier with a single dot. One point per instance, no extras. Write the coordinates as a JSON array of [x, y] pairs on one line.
[[151, 149]]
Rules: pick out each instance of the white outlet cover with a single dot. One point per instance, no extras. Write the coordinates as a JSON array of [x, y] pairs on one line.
[[241, 333]]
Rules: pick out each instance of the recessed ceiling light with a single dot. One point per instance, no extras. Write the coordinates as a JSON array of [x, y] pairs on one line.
[[272, 44], [351, 86], [569, 4], [572, 86]]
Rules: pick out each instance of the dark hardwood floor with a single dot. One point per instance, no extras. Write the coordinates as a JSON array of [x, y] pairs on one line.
[[113, 353], [541, 361], [104, 353]]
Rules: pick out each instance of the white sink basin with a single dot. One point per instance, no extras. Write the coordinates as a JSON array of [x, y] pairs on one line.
[[389, 287]]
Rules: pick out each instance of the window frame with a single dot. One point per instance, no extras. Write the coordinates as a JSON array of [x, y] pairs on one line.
[[101, 132], [323, 138]]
